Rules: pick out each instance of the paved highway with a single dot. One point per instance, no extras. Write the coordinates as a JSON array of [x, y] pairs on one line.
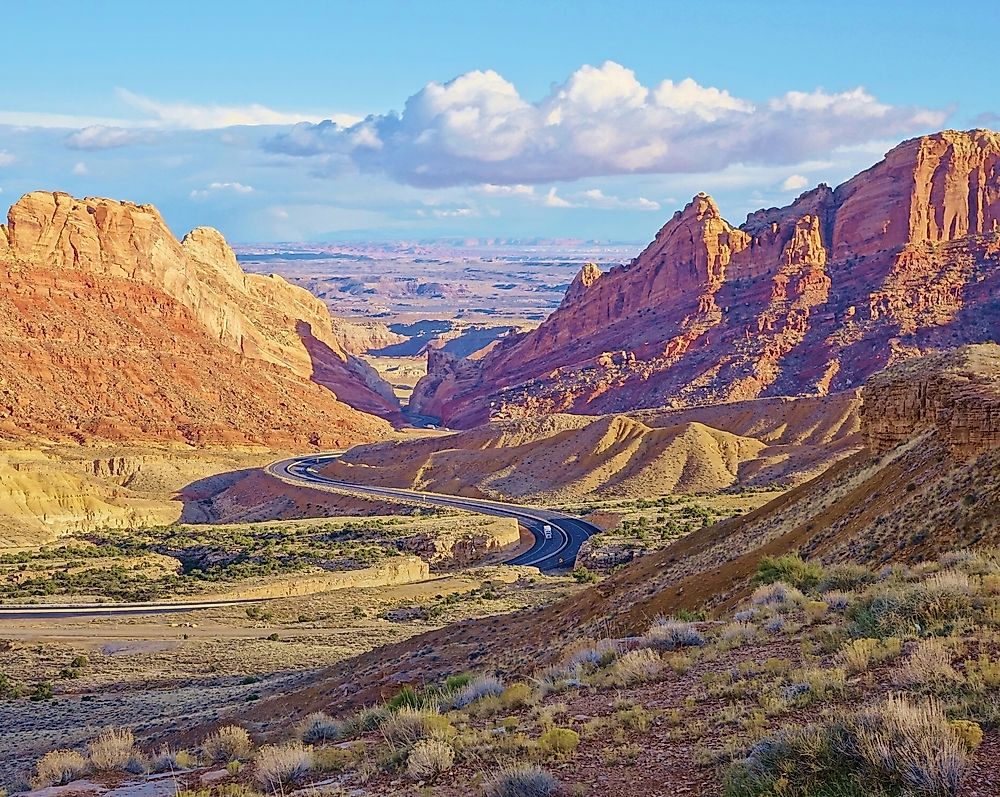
[[554, 550]]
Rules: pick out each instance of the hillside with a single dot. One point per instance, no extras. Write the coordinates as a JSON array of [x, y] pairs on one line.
[[565, 457], [811, 299], [111, 329], [923, 497]]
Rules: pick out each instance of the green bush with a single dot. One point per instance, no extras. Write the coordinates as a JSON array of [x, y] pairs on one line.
[[791, 569]]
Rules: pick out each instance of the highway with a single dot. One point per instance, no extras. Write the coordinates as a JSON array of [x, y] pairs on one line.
[[552, 551]]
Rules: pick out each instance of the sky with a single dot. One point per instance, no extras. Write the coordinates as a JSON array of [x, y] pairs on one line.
[[378, 120]]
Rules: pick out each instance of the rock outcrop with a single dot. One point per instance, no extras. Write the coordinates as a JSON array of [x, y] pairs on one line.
[[110, 328], [812, 298], [955, 395]]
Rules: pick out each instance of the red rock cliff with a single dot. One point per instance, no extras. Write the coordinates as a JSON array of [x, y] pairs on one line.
[[815, 297], [111, 328]]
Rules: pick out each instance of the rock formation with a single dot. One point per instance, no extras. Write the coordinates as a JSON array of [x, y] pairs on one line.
[[112, 329], [812, 298]]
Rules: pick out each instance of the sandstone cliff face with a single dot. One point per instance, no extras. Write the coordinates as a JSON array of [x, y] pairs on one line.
[[813, 298], [954, 395], [111, 328]]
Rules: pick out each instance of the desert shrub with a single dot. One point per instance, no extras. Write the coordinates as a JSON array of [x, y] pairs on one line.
[[982, 673], [429, 758], [407, 697], [517, 695], [228, 743], [278, 766], [167, 760], [890, 748], [776, 594], [559, 742], [478, 688], [635, 667], [791, 569], [859, 654], [928, 667], [319, 727], [906, 609], [968, 732], [815, 611], [775, 625], [58, 767], [909, 744], [455, 682], [520, 780], [836, 600], [735, 634], [408, 726], [112, 749], [847, 577], [591, 654], [667, 634], [370, 718]]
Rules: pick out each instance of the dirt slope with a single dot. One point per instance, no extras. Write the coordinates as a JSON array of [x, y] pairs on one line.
[[922, 497], [565, 457]]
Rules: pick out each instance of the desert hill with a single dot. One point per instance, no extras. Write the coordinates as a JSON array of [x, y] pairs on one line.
[[563, 457], [934, 491], [111, 329], [812, 298]]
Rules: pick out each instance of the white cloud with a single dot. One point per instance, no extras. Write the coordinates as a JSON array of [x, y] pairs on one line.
[[491, 189], [191, 116], [478, 130], [6, 159], [215, 188], [80, 169], [453, 213], [553, 200], [596, 198], [795, 182], [105, 137]]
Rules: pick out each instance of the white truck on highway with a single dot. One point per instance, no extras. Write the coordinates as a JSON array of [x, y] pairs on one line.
[[547, 531]]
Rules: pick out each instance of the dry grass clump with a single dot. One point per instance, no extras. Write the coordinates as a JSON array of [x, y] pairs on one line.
[[59, 767], [732, 635], [777, 595], [429, 758], [859, 654], [112, 750], [279, 766], [228, 743], [928, 667], [893, 747], [668, 634], [910, 743], [319, 728], [168, 760], [520, 780], [635, 667], [406, 727]]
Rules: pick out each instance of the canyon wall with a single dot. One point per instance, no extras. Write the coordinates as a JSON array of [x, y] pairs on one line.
[[111, 328], [810, 299]]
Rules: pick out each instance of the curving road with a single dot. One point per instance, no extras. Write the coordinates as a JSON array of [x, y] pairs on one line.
[[554, 550]]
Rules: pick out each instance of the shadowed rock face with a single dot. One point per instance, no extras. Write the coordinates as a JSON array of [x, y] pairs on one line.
[[812, 298], [110, 328]]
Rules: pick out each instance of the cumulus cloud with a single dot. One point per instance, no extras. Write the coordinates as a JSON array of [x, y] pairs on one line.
[[595, 197], [478, 130], [105, 137], [6, 159], [215, 188], [794, 182], [80, 169]]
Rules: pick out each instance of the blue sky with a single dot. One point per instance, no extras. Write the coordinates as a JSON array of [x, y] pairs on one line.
[[514, 119]]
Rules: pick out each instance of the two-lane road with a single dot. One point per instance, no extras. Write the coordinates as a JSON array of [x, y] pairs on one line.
[[558, 536]]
